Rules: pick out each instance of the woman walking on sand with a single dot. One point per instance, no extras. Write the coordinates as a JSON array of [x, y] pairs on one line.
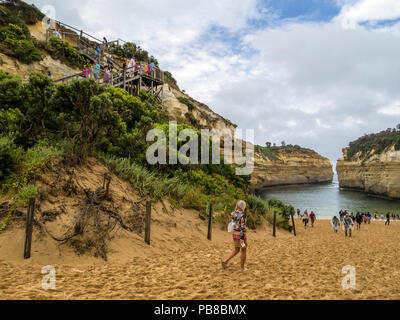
[[305, 219], [238, 217]]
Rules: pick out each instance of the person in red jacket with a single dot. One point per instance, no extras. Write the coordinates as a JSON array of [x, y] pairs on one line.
[[312, 218]]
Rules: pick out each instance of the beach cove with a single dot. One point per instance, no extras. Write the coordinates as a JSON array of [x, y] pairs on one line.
[[182, 264]]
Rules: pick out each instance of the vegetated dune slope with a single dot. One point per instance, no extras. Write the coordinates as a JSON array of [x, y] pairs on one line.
[[181, 263]]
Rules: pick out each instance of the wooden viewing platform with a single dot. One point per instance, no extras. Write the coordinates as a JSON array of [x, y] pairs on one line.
[[130, 80]]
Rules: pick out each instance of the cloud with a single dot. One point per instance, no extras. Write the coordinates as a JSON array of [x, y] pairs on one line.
[[327, 79], [353, 13], [391, 110]]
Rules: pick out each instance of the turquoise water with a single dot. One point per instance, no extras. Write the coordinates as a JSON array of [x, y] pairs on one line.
[[326, 200]]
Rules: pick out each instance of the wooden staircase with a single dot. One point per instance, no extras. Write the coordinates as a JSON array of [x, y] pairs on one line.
[[128, 79]]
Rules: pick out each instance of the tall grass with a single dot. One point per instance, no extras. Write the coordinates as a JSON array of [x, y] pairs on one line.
[[146, 182], [265, 208]]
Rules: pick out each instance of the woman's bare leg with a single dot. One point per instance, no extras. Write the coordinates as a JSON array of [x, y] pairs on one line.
[[243, 258], [233, 254]]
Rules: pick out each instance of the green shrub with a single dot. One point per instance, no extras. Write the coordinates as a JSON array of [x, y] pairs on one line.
[[24, 195], [273, 152], [187, 102], [376, 142], [63, 51], [10, 157], [16, 42], [265, 208]]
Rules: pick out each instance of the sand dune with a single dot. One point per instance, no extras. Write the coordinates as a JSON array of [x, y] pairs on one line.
[[182, 264]]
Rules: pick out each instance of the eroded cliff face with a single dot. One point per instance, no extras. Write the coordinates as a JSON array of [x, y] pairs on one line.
[[379, 174], [290, 168], [202, 113]]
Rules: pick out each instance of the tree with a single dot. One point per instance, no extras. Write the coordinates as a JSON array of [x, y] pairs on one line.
[[283, 143], [268, 144], [398, 127], [86, 114]]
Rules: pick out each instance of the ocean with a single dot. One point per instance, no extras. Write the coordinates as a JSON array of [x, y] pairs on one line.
[[326, 200]]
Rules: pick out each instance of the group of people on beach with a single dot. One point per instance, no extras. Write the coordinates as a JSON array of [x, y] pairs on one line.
[[306, 218], [349, 220]]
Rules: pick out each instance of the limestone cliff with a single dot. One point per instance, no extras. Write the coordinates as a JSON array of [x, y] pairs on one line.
[[379, 174], [203, 116], [290, 168]]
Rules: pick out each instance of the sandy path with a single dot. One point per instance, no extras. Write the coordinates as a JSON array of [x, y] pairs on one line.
[[188, 267]]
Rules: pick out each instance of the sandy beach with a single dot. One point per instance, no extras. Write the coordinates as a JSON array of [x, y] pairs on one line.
[[182, 264]]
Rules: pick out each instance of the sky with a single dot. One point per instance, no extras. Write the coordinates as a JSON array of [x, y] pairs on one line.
[[317, 73]]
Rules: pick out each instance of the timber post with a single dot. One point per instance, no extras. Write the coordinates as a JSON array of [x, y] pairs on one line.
[[274, 229], [294, 226], [148, 223], [29, 227], [209, 233]]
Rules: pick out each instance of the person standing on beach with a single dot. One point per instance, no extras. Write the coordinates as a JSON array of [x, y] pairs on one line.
[[335, 224], [347, 224], [312, 218], [298, 213], [387, 219], [239, 235], [359, 220], [305, 219]]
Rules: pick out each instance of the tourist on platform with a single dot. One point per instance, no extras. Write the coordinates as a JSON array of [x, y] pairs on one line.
[[106, 76], [110, 62], [97, 51], [96, 71], [152, 69], [85, 72], [131, 65]]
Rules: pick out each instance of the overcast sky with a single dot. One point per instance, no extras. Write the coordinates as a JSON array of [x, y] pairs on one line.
[[318, 73]]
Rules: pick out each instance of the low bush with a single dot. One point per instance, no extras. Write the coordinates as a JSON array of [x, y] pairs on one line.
[[63, 51]]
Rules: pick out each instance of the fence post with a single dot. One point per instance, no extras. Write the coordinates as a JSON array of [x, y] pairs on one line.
[[294, 226], [124, 73], [148, 222], [80, 39], [209, 234], [29, 227], [274, 230]]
